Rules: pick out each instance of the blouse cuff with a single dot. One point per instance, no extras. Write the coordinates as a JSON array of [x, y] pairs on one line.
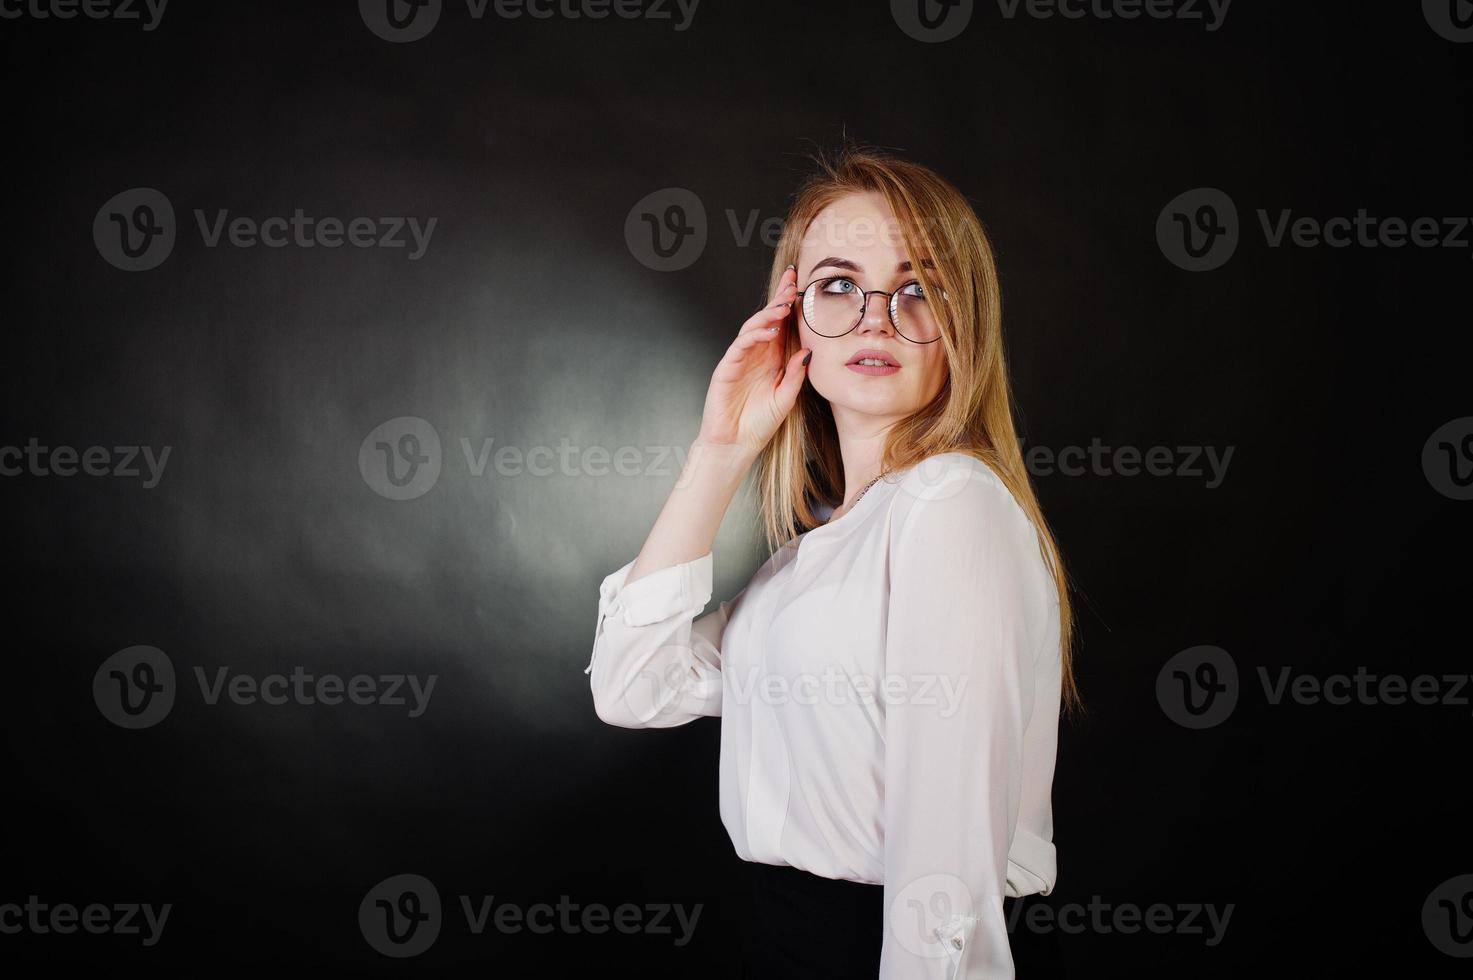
[[955, 936], [677, 589], [1032, 866]]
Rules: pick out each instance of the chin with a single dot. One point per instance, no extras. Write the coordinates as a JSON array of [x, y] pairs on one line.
[[869, 401]]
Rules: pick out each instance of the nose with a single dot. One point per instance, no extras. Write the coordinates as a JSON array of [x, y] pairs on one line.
[[876, 318]]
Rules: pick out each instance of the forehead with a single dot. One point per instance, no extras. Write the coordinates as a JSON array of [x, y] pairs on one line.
[[855, 225]]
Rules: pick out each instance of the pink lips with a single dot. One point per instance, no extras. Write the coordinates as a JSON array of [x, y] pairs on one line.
[[890, 365]]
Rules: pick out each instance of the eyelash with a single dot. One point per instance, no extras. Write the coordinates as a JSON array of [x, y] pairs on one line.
[[914, 282]]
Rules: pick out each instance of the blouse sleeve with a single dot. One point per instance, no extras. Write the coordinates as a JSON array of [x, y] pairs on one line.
[[970, 607], [654, 663]]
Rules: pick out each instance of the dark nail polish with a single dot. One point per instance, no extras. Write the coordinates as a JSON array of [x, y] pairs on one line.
[[807, 357]]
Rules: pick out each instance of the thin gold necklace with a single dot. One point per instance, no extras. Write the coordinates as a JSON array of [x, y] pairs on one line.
[[861, 493]]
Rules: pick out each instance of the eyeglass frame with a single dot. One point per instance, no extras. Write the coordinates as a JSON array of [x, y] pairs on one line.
[[865, 294]]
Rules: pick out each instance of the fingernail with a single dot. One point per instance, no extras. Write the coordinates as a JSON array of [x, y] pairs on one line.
[[807, 357], [792, 266]]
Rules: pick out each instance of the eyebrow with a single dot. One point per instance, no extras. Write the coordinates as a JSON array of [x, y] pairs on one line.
[[835, 262]]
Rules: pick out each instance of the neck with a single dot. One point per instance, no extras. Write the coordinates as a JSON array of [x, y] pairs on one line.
[[861, 446]]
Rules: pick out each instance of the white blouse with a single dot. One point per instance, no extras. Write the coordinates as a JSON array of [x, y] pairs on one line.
[[889, 688]]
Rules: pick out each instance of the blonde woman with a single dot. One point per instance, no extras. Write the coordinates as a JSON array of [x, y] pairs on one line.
[[891, 679]]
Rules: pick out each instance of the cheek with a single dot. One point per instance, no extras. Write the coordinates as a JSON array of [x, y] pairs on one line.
[[934, 372]]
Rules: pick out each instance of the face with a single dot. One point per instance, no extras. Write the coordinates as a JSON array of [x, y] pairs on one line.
[[857, 239]]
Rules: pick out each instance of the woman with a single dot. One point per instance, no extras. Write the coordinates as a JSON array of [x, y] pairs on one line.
[[891, 678]]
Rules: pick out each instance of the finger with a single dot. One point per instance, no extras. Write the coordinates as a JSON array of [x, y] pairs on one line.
[[768, 316], [754, 337], [787, 287], [747, 345], [786, 392], [788, 280], [784, 297]]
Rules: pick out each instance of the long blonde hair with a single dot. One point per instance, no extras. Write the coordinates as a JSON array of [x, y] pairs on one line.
[[972, 413]]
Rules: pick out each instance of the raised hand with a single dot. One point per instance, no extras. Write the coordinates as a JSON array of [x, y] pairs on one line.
[[753, 387]]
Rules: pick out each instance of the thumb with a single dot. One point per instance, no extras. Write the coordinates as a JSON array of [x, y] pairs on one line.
[[786, 392]]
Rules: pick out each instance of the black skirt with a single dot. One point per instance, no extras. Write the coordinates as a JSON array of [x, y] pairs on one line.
[[803, 925]]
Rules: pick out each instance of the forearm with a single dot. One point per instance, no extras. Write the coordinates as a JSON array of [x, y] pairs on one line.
[[687, 525]]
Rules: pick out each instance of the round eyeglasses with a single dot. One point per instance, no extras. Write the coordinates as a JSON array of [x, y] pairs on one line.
[[835, 305]]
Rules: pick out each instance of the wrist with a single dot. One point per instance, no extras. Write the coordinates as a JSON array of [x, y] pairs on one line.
[[726, 462]]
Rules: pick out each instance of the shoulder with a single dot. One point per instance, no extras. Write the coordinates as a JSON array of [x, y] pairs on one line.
[[956, 501], [954, 521], [945, 477]]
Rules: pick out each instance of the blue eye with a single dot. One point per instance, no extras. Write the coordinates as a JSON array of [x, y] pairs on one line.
[[837, 286], [914, 289]]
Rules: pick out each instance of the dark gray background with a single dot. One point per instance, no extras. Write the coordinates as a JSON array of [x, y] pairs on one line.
[[529, 321]]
